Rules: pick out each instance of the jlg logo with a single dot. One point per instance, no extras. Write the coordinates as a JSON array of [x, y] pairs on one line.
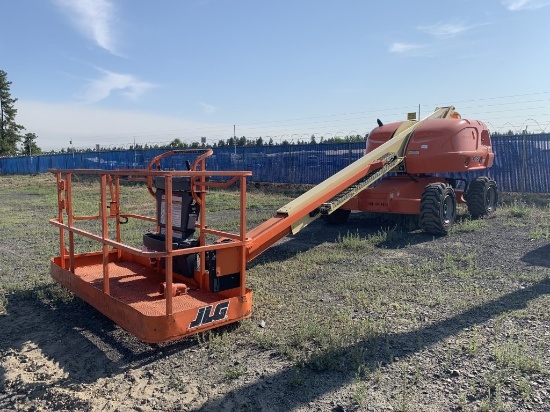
[[205, 315]]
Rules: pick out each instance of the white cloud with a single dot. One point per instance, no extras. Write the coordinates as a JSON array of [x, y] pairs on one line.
[[110, 82], [517, 5], [57, 124], [404, 47], [444, 30], [94, 18], [207, 108]]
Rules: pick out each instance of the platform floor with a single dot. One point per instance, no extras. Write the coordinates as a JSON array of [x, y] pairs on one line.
[[139, 287]]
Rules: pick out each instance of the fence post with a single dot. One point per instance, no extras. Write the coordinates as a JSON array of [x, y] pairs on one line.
[[289, 163], [523, 162]]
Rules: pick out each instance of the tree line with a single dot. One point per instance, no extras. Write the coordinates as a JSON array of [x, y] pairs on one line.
[[13, 141], [229, 142]]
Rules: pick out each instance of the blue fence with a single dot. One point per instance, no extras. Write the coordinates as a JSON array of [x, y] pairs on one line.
[[522, 163]]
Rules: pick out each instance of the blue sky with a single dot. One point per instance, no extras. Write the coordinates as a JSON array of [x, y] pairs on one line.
[[111, 72]]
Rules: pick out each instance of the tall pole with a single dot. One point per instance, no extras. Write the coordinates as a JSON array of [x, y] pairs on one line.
[[234, 139], [524, 161]]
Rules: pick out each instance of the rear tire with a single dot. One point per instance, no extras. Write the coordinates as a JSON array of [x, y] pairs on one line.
[[437, 208], [338, 217], [481, 197]]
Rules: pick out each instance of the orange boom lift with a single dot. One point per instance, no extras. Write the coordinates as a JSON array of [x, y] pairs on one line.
[[177, 283]]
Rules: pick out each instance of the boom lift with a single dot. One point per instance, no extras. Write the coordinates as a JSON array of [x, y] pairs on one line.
[[178, 284], [441, 143]]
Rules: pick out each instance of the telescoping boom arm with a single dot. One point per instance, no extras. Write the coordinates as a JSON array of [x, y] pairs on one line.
[[327, 196]]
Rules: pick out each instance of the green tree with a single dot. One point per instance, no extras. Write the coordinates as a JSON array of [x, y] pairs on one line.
[[30, 147], [177, 143], [9, 130]]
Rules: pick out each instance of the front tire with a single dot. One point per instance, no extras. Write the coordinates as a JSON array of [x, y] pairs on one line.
[[437, 208], [481, 197]]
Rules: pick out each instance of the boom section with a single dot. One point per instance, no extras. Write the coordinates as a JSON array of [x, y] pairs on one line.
[[327, 196]]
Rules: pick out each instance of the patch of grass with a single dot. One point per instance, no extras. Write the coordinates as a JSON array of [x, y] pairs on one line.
[[217, 340], [517, 357], [473, 346], [524, 388], [469, 225], [460, 264], [493, 402], [54, 294], [382, 238], [234, 372], [527, 277], [297, 377], [360, 388], [518, 210], [386, 237], [3, 302], [538, 308], [177, 384], [354, 241], [541, 232]]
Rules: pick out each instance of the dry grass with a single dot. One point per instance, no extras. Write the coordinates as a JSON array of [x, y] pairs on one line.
[[366, 298]]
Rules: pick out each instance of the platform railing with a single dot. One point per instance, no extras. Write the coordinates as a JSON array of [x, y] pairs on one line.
[[110, 208]]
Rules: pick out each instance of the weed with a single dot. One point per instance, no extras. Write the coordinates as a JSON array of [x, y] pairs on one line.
[[473, 345], [354, 241], [518, 209], [524, 388], [360, 388], [468, 225], [493, 402], [54, 294], [515, 356], [234, 372], [541, 232], [297, 378], [3, 302], [460, 264], [404, 394], [177, 384]]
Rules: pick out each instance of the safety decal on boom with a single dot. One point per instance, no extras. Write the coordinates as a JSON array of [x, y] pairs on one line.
[[209, 314]]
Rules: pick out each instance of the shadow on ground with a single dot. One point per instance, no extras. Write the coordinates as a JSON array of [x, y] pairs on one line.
[[85, 344], [380, 350], [538, 257], [395, 231]]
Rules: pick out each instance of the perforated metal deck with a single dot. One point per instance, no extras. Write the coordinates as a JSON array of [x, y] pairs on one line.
[[136, 304], [139, 287]]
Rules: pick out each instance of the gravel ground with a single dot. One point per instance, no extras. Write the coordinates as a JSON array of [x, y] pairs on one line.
[[467, 339]]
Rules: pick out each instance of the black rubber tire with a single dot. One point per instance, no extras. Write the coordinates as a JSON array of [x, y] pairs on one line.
[[338, 217], [481, 197], [437, 208]]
